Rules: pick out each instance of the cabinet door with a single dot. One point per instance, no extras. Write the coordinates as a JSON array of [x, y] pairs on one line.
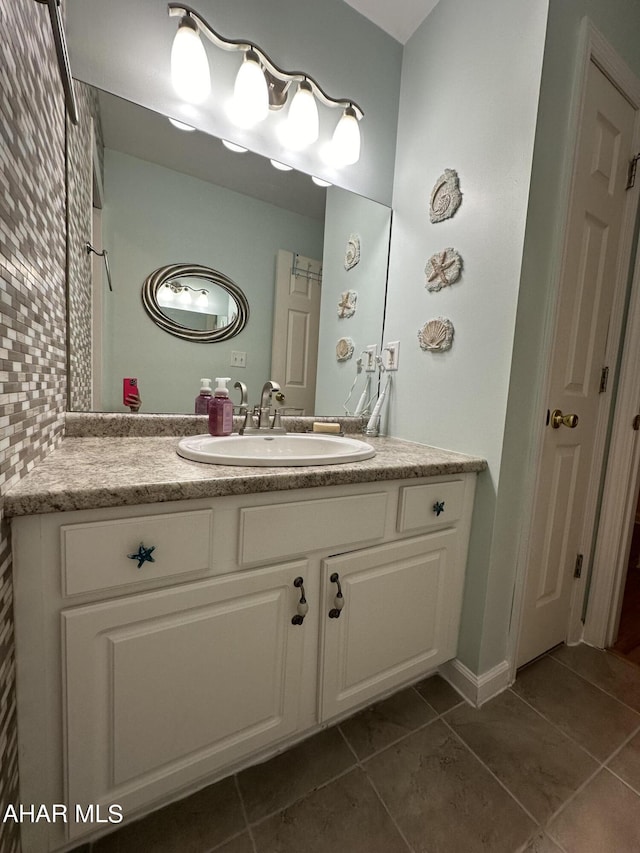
[[163, 688], [399, 620]]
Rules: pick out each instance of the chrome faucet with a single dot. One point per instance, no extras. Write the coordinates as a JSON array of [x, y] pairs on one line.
[[263, 411]]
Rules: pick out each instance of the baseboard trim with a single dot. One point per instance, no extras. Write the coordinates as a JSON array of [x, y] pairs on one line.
[[476, 689]]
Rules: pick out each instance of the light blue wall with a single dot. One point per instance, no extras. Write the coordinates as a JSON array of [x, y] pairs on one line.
[[348, 214], [123, 46], [154, 216], [470, 85]]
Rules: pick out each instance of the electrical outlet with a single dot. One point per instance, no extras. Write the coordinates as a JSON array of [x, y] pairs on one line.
[[391, 355], [370, 354], [238, 359]]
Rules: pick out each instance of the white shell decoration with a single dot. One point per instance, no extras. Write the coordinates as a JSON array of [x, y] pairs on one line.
[[347, 304], [436, 335], [443, 269], [344, 349], [352, 252], [445, 196]]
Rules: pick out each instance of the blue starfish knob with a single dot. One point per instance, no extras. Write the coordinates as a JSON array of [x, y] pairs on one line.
[[438, 507], [143, 555]]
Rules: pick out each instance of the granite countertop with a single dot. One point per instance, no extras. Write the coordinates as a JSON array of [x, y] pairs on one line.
[[93, 472]]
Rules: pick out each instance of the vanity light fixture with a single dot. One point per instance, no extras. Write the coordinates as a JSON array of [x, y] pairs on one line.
[[189, 64], [233, 146], [181, 125], [260, 86], [181, 294], [282, 167]]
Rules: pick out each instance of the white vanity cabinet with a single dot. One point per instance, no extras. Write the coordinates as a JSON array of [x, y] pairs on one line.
[[137, 685]]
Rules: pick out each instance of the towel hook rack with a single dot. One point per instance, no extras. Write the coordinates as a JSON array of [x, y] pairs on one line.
[[102, 254]]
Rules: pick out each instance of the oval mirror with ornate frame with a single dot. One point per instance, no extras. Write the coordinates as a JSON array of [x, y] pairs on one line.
[[171, 278]]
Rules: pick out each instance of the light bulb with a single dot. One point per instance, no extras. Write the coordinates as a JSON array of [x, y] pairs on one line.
[[302, 125], [181, 125], [203, 300], [345, 144], [189, 64], [233, 146], [184, 297], [320, 182], [250, 103], [281, 166]]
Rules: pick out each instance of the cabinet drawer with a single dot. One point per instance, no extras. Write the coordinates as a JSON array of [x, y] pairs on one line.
[[285, 530], [95, 555], [421, 507]]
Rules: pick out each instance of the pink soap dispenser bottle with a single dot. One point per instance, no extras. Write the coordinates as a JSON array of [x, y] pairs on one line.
[[204, 398], [221, 409]]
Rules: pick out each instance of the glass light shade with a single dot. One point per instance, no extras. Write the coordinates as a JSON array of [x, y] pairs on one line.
[[281, 166], [203, 300], [320, 182], [184, 297], [181, 125], [345, 144], [303, 125], [189, 64], [250, 103]]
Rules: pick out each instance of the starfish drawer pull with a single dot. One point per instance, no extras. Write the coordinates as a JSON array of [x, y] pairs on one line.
[[143, 555], [438, 507]]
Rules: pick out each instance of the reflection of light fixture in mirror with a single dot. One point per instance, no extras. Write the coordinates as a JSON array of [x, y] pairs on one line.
[[233, 146], [181, 125], [320, 182], [302, 126], [189, 65], [202, 301], [345, 145], [262, 85], [281, 166], [180, 294]]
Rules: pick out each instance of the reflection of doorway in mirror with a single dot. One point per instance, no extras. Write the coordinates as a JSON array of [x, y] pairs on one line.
[[296, 321]]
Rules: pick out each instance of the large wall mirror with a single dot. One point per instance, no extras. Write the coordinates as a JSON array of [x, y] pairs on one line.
[[168, 196]]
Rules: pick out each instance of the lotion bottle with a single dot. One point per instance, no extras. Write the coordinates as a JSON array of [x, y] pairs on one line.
[[221, 409], [204, 398]]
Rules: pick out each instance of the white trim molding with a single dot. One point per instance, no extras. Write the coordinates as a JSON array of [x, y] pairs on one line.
[[476, 689]]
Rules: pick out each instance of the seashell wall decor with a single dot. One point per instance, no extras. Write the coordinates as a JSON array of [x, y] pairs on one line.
[[445, 196], [352, 252], [347, 304], [436, 335], [344, 349], [443, 269]]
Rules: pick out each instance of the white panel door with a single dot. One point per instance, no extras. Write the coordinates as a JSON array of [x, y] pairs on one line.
[[164, 687], [399, 620], [587, 289], [296, 320]]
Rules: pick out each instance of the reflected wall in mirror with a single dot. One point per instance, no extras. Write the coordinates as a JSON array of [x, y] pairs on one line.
[[163, 196]]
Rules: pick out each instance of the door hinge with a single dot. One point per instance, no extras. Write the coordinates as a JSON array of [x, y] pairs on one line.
[[631, 174], [636, 423], [604, 378], [577, 572]]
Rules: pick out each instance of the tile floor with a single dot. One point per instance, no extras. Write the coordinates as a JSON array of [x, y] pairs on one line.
[[551, 765]]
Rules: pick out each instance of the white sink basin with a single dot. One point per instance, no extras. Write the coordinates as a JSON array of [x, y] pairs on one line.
[[270, 450]]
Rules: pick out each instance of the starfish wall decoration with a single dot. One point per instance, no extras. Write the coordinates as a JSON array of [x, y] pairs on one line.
[[443, 269], [347, 304]]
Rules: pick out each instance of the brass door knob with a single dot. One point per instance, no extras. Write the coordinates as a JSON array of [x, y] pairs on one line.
[[558, 420]]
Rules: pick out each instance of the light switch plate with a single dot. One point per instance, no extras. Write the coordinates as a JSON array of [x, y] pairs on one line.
[[238, 359]]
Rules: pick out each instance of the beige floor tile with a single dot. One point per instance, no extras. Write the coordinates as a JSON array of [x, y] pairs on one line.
[[240, 844], [387, 721], [541, 843], [607, 671], [269, 787], [439, 693], [193, 825], [443, 799], [627, 763], [345, 816], [537, 763], [603, 818], [597, 721]]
